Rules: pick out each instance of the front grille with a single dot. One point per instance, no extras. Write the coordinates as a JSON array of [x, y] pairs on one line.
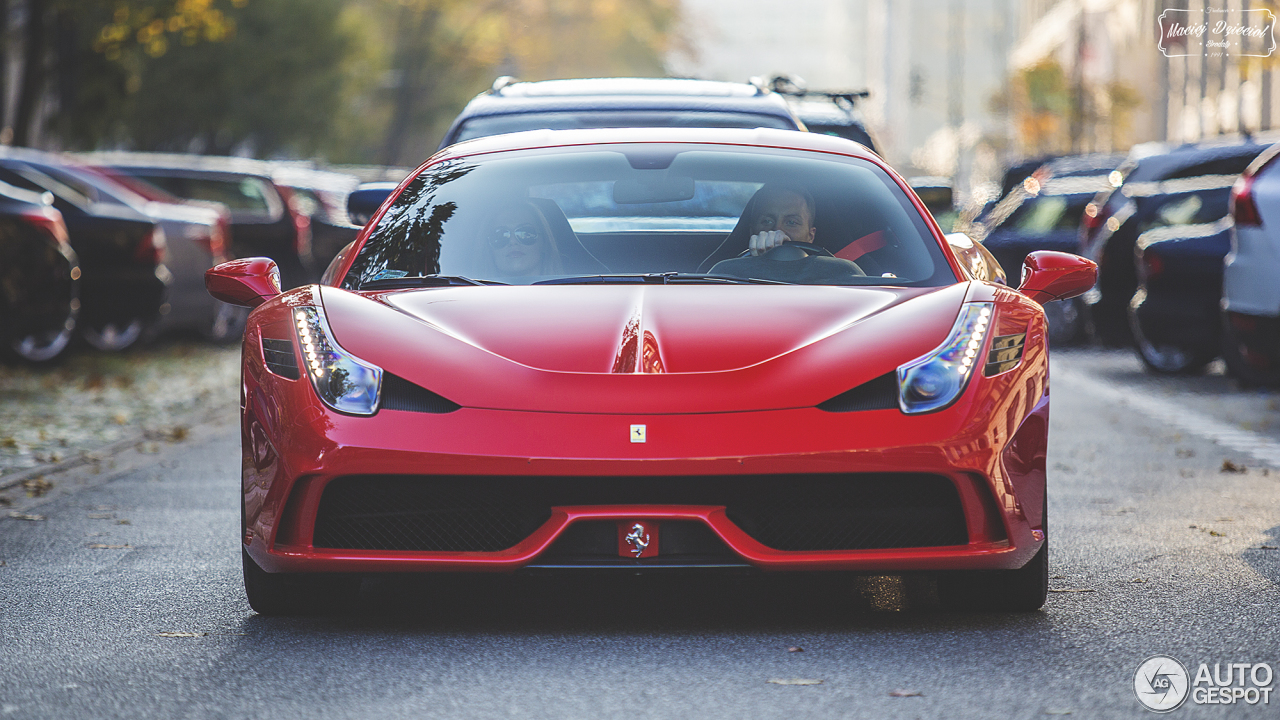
[[279, 357], [878, 394], [853, 511], [400, 394]]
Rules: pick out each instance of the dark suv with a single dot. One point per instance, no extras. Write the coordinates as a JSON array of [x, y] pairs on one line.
[[511, 106]]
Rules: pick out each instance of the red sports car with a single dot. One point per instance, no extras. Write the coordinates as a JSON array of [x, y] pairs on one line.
[[649, 348]]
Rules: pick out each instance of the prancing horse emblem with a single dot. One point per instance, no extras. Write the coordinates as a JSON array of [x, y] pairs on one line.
[[639, 538]]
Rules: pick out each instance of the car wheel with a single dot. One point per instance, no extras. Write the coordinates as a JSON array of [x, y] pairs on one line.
[[1022, 590], [296, 593], [1168, 358], [227, 325], [45, 346], [114, 336], [1243, 364]]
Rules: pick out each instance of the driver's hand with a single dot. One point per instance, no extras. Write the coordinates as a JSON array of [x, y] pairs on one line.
[[764, 242]]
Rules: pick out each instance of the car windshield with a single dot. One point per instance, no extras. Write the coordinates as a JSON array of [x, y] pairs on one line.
[[651, 212], [486, 125]]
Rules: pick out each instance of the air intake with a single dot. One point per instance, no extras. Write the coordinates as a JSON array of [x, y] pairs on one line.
[[279, 357], [400, 394], [1005, 354]]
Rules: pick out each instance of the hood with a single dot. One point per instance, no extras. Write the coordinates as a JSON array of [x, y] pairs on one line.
[[546, 345]]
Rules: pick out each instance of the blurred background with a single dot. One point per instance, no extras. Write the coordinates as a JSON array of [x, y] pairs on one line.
[[144, 141]]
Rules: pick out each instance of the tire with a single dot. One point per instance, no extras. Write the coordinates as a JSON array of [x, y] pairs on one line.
[[114, 336], [1169, 358], [1021, 590], [295, 593], [44, 347], [1239, 365]]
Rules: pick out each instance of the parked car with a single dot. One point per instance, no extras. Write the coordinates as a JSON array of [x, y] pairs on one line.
[[1251, 275], [512, 106], [1110, 226], [823, 111], [522, 364], [197, 237], [39, 277], [120, 249], [1043, 213], [320, 196], [1174, 313], [263, 223]]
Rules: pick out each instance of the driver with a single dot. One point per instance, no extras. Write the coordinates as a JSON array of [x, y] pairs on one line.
[[783, 213]]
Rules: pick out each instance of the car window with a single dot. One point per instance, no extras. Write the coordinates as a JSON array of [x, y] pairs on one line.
[[239, 194], [635, 209], [1048, 213], [1189, 209], [486, 125]]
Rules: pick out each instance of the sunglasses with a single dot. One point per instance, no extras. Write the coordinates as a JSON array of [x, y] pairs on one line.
[[523, 234]]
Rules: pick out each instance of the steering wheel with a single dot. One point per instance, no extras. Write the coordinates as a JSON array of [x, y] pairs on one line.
[[808, 248]]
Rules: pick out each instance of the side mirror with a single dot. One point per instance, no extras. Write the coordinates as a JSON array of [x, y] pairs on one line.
[[1049, 275], [365, 200], [248, 282], [976, 259]]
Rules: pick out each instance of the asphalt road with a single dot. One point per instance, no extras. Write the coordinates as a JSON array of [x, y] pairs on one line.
[[125, 600]]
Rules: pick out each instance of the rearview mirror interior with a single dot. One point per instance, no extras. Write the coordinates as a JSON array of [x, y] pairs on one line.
[[247, 282], [1049, 275]]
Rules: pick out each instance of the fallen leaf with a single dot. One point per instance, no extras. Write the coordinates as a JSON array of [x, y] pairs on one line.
[[794, 681], [36, 486], [1268, 547], [1057, 711], [123, 522], [25, 516], [1057, 577], [181, 634], [1215, 533], [1137, 580], [1230, 467], [120, 419], [105, 546], [1071, 590], [5, 502], [795, 648], [906, 693], [8, 442]]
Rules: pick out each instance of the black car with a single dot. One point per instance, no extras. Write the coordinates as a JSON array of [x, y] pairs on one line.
[[121, 252], [1115, 218], [511, 106], [39, 276], [1043, 213], [1174, 313], [262, 222]]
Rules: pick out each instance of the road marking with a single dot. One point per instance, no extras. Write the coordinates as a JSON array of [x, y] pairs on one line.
[[1259, 447]]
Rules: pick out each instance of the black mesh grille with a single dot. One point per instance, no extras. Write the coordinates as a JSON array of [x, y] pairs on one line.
[[279, 357], [878, 394], [400, 394], [431, 514], [786, 512]]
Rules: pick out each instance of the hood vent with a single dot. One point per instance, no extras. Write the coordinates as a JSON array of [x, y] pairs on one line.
[[279, 357], [400, 394], [878, 394], [1005, 354]]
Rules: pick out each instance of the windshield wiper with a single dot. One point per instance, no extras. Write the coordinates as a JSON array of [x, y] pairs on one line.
[[666, 278], [416, 281]]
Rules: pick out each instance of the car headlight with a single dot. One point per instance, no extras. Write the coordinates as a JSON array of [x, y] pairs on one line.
[[934, 381], [342, 381]]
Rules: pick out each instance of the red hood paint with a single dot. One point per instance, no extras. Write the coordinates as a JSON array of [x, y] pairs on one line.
[[642, 349]]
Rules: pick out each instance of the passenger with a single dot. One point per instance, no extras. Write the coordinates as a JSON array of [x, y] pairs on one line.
[[782, 213], [520, 242]]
